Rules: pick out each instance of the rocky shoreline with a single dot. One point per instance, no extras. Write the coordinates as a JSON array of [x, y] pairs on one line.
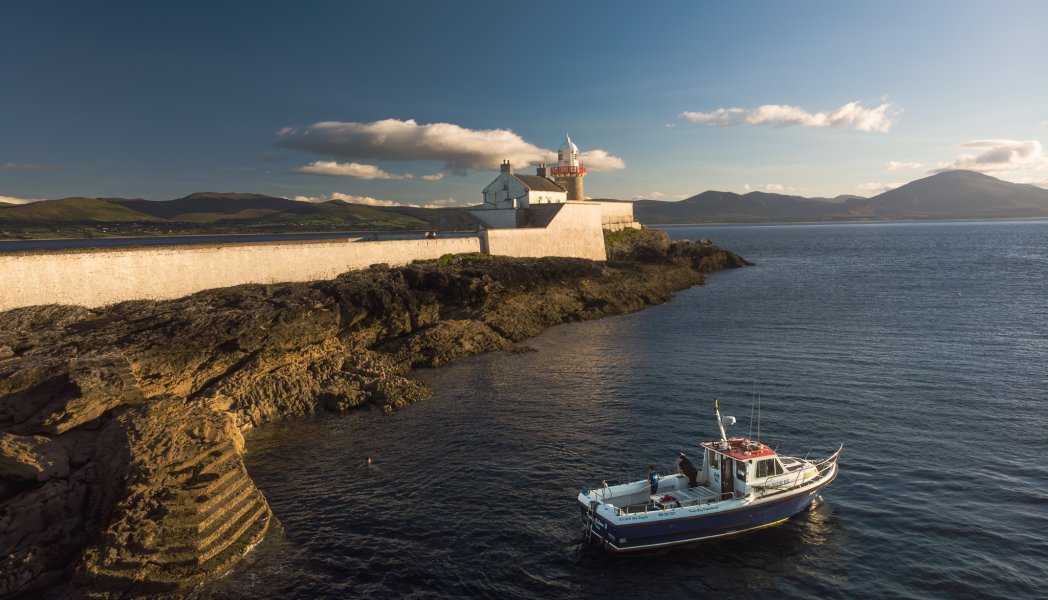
[[121, 443]]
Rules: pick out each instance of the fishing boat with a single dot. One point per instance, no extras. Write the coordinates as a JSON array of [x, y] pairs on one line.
[[743, 485]]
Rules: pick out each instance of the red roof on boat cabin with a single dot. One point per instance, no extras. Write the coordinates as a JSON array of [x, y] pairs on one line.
[[741, 448]]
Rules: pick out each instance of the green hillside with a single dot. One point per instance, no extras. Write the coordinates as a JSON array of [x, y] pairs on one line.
[[196, 207], [213, 217], [201, 213], [71, 210], [336, 214]]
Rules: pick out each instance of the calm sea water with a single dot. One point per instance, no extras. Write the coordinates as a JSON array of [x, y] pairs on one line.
[[923, 347]]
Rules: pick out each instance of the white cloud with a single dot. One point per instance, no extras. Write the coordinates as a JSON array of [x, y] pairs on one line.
[[661, 196], [894, 165], [722, 117], [998, 156], [772, 188], [599, 160], [1031, 181], [877, 188], [852, 114], [286, 130], [362, 200], [458, 147], [442, 203], [352, 169], [369, 201], [34, 167], [12, 200], [434, 177]]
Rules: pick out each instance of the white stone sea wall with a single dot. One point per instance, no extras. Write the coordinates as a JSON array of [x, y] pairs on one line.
[[575, 231], [616, 216], [98, 277]]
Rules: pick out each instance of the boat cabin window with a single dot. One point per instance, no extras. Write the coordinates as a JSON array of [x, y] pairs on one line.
[[768, 467], [740, 469]]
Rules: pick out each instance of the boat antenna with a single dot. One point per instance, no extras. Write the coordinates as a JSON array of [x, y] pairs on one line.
[[758, 417], [753, 397]]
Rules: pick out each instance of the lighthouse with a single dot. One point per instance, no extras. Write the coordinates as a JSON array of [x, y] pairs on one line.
[[569, 171]]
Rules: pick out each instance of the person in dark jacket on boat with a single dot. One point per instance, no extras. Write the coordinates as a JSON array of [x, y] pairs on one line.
[[653, 479], [684, 466]]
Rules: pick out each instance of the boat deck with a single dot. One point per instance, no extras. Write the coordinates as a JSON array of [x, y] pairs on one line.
[[695, 495], [674, 499]]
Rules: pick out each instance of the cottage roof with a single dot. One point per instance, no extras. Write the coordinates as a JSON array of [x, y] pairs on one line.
[[539, 184]]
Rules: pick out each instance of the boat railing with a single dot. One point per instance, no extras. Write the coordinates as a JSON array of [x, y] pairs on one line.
[[828, 462], [824, 466], [785, 486]]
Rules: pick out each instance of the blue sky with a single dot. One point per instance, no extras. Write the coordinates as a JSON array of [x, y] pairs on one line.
[[416, 103]]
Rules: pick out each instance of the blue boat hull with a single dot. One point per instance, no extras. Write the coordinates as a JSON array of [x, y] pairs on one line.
[[665, 532]]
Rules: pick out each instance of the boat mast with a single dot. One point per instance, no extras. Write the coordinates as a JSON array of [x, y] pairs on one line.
[[758, 417], [753, 399], [716, 410]]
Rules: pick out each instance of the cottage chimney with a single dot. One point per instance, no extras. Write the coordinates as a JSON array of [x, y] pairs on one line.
[[506, 167], [541, 171]]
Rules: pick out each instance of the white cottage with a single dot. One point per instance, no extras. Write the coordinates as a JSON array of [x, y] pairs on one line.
[[512, 190]]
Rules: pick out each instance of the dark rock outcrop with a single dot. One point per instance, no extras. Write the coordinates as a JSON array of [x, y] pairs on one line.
[[121, 428]]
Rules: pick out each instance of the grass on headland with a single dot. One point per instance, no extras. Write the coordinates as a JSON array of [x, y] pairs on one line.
[[458, 259], [627, 243]]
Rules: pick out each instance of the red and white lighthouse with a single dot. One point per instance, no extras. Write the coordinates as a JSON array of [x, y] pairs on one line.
[[569, 171]]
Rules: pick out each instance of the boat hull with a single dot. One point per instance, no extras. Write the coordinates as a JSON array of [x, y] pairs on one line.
[[693, 524]]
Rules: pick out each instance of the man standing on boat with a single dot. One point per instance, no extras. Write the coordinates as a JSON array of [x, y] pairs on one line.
[[653, 479], [685, 466]]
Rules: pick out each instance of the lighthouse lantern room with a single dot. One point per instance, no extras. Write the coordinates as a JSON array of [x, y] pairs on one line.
[[569, 170]]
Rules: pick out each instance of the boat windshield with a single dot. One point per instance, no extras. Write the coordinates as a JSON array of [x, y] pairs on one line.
[[768, 467]]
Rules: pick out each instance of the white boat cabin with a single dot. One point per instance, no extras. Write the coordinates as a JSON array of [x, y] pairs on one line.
[[732, 469], [737, 466]]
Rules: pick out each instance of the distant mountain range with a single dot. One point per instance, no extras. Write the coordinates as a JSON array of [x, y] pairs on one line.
[[202, 213], [949, 195]]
